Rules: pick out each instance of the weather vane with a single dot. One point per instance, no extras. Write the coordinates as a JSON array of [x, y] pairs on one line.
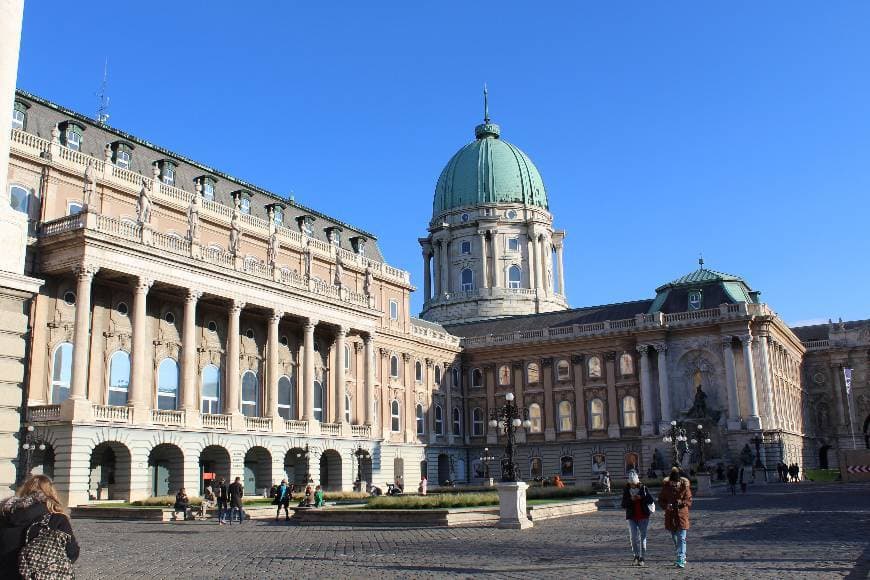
[[485, 105]]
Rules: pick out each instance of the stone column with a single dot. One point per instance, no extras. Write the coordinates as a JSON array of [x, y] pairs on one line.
[[647, 427], [436, 267], [548, 415], [448, 411], [753, 421], [766, 381], [579, 399], [308, 369], [446, 285], [81, 337], [664, 393], [233, 397], [613, 428], [369, 342], [536, 250], [338, 388], [483, 262], [497, 270], [561, 270], [139, 383], [544, 253], [273, 371], [839, 392], [188, 356], [427, 276], [490, 379], [731, 383]]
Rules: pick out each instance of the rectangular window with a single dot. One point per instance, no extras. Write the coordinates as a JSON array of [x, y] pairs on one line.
[[208, 190], [245, 205], [73, 140], [394, 310], [513, 244], [168, 174], [279, 216], [18, 118], [74, 208], [466, 247], [122, 159]]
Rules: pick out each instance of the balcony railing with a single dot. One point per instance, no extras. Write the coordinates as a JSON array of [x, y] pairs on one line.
[[330, 429], [293, 426], [166, 417], [210, 421], [258, 423], [44, 413], [817, 344], [361, 431], [112, 414]]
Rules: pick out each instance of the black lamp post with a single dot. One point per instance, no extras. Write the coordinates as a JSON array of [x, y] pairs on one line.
[[485, 459], [757, 441], [676, 436], [31, 444], [509, 418], [701, 438], [306, 454], [360, 454]]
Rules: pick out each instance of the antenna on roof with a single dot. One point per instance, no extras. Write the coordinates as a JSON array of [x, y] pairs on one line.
[[701, 259], [485, 105], [103, 107]]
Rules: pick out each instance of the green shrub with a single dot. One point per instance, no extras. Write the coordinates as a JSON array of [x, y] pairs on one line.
[[440, 501], [823, 475], [557, 492], [165, 500]]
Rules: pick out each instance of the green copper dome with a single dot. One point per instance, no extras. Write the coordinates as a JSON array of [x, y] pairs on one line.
[[488, 170]]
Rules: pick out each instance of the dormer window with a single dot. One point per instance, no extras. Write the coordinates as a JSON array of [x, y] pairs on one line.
[[359, 244], [306, 224], [167, 171], [19, 115], [207, 184], [122, 154], [694, 299], [465, 248], [276, 210], [71, 135], [243, 199], [333, 235]]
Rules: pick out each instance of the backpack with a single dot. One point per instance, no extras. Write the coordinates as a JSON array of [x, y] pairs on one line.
[[43, 556]]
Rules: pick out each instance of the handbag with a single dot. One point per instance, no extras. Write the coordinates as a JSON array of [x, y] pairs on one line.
[[43, 556], [651, 503]]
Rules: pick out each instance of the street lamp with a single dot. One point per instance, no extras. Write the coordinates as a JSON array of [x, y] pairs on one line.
[[485, 459], [30, 445], [678, 440], [701, 438], [360, 454], [508, 419], [306, 454]]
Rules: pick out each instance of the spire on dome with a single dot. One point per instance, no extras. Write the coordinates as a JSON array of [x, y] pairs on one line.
[[485, 105], [488, 129]]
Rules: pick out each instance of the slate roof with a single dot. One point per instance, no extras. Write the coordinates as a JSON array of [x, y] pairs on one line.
[[701, 276], [820, 331], [583, 315], [427, 324]]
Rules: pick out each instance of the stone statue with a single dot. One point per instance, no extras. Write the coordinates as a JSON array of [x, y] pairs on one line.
[[306, 255], [369, 282], [699, 407], [549, 276], [747, 456], [339, 270], [193, 214], [143, 206], [90, 186], [235, 231], [274, 246]]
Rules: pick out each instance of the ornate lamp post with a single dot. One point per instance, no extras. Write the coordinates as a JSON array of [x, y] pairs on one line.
[[677, 438], [508, 419], [485, 458], [701, 438], [31, 444], [360, 454], [306, 454]]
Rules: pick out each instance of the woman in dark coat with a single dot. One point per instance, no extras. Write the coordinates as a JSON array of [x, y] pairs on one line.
[[35, 499], [636, 501]]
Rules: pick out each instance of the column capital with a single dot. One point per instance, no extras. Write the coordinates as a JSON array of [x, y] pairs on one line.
[[357, 346], [384, 352], [86, 270], [406, 357], [745, 338], [643, 349], [577, 359], [660, 347], [143, 284], [276, 316], [309, 324], [192, 295], [341, 331], [727, 341], [368, 337], [236, 306]]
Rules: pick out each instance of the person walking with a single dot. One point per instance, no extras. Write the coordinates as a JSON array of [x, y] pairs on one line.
[[743, 478], [637, 503], [732, 479], [32, 526], [223, 501], [282, 499], [236, 492], [676, 499]]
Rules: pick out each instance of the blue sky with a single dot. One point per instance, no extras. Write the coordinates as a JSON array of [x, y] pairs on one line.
[[662, 129]]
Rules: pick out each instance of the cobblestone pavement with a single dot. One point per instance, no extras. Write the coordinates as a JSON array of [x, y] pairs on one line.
[[776, 531]]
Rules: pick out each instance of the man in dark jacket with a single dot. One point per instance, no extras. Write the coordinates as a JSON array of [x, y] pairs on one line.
[[236, 491], [223, 499], [283, 496], [732, 479]]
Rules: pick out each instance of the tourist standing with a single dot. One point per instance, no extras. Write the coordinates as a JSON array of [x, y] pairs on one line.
[[636, 501], [236, 491], [732, 479], [282, 499], [424, 484], [223, 501], [318, 497], [676, 499], [743, 479], [605, 481], [25, 518]]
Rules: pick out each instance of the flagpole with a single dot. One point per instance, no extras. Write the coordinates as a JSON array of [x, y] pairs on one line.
[[847, 375]]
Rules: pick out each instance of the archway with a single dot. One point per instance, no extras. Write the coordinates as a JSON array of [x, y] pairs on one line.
[[443, 468], [166, 470], [258, 471], [424, 469], [330, 470], [42, 462], [399, 471], [823, 456], [110, 471], [296, 468], [214, 465]]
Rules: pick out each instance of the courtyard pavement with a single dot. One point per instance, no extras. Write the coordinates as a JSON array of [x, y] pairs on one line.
[[776, 531]]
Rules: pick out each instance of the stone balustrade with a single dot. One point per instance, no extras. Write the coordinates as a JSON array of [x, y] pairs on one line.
[[294, 426], [817, 344], [43, 413], [364, 431], [210, 421], [258, 423], [166, 417], [111, 414], [434, 335], [330, 429]]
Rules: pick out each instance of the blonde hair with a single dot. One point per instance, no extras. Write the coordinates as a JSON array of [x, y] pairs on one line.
[[633, 478], [41, 485]]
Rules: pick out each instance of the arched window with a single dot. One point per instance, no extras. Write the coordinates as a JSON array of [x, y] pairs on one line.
[[467, 280], [420, 421], [167, 384], [318, 401], [477, 422], [515, 277], [532, 373], [596, 414], [504, 375], [286, 398], [19, 198], [536, 468], [563, 370], [439, 420], [593, 367], [535, 418], [629, 411], [476, 378], [347, 409], [346, 357], [250, 394], [626, 365], [61, 372], [211, 390], [457, 421], [438, 375], [119, 378], [418, 372], [456, 377], [394, 416], [565, 419], [394, 366]]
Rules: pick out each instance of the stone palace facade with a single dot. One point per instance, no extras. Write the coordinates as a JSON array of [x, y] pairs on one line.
[[192, 324]]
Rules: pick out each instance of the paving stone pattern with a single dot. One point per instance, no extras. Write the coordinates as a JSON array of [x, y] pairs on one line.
[[776, 531]]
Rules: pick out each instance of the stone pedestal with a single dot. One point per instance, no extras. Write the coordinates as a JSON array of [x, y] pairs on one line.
[[77, 410], [512, 505], [705, 486], [753, 423]]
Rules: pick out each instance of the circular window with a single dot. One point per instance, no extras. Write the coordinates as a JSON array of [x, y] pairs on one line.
[[122, 308], [212, 326], [819, 378], [512, 214], [250, 333], [464, 217], [283, 340], [169, 318], [69, 297]]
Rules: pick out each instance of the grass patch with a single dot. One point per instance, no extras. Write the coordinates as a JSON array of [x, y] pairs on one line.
[[822, 475], [428, 502], [557, 492]]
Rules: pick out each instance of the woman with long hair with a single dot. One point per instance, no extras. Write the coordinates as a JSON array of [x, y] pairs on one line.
[[35, 509], [637, 501]]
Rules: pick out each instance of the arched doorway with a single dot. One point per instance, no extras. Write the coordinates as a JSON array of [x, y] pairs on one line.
[[424, 469], [166, 470], [443, 468], [296, 468], [823, 456], [330, 470], [110, 471], [214, 465], [399, 471], [258, 471], [42, 462]]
